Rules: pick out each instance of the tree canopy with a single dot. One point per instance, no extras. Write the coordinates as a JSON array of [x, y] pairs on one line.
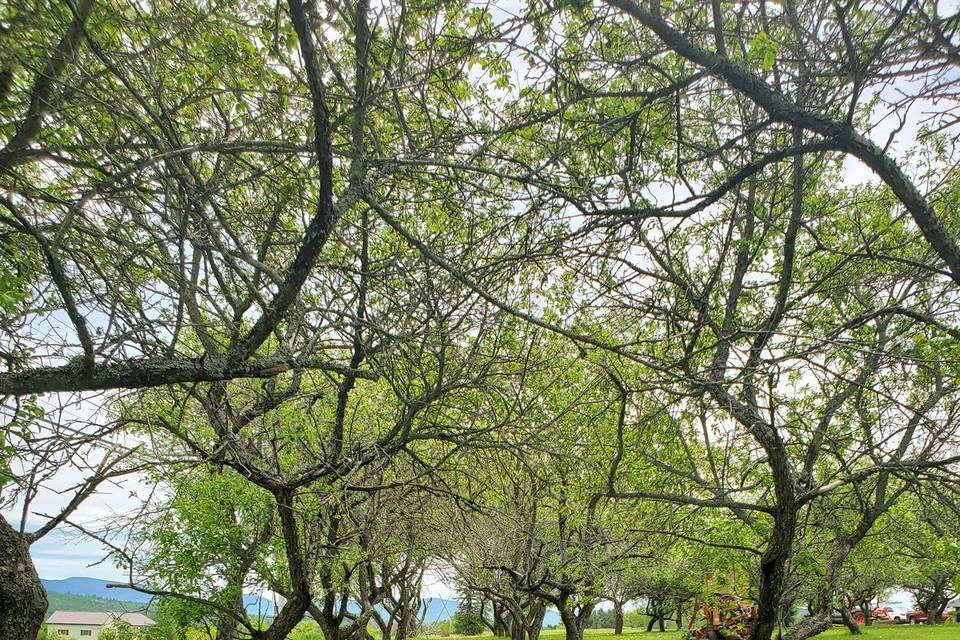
[[569, 302]]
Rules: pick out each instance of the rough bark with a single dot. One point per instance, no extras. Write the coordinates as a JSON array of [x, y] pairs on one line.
[[574, 622], [325, 216], [773, 564], [23, 602], [533, 622], [849, 622], [299, 596], [819, 619], [617, 617], [517, 630], [571, 627], [809, 626], [500, 628], [143, 373]]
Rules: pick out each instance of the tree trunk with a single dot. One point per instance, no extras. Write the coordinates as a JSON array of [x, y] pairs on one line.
[[571, 626], [23, 602], [935, 612], [850, 623], [809, 626], [938, 599], [653, 621], [773, 562], [516, 628], [228, 626], [298, 597], [617, 617], [499, 629], [533, 623]]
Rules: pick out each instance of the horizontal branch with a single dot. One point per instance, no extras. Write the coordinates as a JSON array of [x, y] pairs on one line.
[[155, 372], [687, 500], [904, 466]]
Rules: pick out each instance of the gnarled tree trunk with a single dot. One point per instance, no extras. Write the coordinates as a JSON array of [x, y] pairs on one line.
[[574, 622], [533, 621], [23, 602], [850, 623]]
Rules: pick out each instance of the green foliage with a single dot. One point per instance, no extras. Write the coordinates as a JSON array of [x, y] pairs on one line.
[[467, 623], [680, 353], [120, 630], [17, 427], [605, 619], [306, 630], [763, 51], [75, 602]]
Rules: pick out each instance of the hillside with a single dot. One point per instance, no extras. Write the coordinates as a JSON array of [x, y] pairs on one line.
[[93, 587], [73, 602], [92, 594]]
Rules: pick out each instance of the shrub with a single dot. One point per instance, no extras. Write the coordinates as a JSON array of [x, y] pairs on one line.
[[467, 623]]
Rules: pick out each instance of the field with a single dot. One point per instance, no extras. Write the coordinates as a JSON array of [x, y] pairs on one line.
[[900, 632], [883, 632]]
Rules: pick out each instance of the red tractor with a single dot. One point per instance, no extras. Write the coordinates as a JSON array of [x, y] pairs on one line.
[[722, 616]]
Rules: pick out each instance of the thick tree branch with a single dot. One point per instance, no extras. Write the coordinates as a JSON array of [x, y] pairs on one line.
[[155, 372], [321, 226], [782, 108], [42, 98]]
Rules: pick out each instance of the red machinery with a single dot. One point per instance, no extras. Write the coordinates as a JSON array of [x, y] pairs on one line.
[[723, 616]]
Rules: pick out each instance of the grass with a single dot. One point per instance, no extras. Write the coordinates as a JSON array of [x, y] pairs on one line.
[[899, 632], [876, 632], [607, 634]]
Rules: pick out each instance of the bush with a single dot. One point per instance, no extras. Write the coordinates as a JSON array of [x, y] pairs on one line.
[[306, 630], [119, 630], [467, 623]]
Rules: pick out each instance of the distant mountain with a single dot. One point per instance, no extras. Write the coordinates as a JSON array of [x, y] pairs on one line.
[[73, 602], [93, 587], [440, 609], [96, 593], [92, 594]]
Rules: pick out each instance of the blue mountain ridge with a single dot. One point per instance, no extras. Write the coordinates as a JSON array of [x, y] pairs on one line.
[[438, 609]]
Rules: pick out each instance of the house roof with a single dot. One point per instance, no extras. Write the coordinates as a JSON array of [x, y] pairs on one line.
[[98, 618]]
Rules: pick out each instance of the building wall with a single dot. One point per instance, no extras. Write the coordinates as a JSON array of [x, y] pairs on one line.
[[74, 631]]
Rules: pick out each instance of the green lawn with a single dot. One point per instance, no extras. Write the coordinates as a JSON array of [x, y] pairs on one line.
[[900, 632], [880, 632], [884, 632]]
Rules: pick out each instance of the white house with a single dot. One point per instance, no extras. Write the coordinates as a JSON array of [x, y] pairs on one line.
[[89, 624]]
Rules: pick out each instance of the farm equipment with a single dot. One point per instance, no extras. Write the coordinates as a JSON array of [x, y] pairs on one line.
[[720, 615]]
